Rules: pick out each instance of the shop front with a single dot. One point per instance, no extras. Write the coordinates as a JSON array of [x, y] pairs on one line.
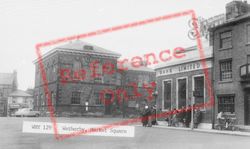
[[181, 82]]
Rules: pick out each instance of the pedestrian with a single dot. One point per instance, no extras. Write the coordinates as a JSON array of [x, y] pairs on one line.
[[145, 116], [221, 119], [153, 115], [174, 118], [197, 117], [188, 116], [182, 116]]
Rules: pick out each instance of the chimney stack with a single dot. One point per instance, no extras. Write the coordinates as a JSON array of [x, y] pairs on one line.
[[236, 8]]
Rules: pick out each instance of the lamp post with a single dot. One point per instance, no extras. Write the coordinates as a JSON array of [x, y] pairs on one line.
[[155, 94], [196, 93]]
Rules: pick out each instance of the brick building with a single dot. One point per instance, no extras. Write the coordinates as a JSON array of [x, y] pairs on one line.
[[177, 79], [231, 71], [141, 95], [81, 74]]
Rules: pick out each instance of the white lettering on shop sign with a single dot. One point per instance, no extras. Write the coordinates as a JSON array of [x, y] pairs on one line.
[[182, 68]]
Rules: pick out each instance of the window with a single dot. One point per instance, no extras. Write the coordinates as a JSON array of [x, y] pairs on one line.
[[226, 70], [119, 79], [167, 90], [42, 100], [37, 100], [199, 86], [226, 39], [53, 98], [75, 99], [181, 92], [226, 103], [248, 33], [76, 65], [248, 59], [97, 99], [99, 78]]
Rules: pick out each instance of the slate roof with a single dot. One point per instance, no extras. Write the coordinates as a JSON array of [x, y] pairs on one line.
[[79, 46], [20, 93]]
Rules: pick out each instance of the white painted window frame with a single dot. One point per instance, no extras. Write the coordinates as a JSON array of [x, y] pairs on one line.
[[165, 80], [177, 86], [204, 89]]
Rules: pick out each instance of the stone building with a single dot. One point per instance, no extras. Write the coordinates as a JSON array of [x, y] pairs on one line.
[[82, 78], [231, 71], [8, 84], [178, 79]]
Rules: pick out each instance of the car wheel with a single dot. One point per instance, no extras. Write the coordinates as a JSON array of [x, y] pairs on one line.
[[37, 115]]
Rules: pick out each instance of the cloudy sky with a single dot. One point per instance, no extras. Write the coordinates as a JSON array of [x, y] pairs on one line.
[[24, 23]]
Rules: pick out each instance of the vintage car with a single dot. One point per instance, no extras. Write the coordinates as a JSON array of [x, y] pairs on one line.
[[26, 112]]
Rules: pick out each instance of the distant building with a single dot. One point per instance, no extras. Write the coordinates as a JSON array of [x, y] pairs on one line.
[[231, 71], [19, 99], [8, 84], [81, 74], [140, 76]]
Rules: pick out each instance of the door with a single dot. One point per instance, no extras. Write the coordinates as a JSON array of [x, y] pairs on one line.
[[108, 104], [247, 107]]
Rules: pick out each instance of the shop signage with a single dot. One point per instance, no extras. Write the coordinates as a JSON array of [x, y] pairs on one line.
[[182, 68]]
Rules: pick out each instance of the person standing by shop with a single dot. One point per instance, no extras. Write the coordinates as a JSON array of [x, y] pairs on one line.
[[188, 116], [145, 116], [197, 117]]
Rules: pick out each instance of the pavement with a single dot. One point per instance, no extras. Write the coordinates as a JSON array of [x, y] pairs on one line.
[[160, 137], [225, 132]]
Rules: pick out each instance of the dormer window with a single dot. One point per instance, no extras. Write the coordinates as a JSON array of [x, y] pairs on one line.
[[88, 47]]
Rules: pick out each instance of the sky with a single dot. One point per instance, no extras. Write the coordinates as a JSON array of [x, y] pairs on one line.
[[24, 23]]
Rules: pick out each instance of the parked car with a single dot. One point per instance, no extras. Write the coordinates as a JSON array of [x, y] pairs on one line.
[[27, 112]]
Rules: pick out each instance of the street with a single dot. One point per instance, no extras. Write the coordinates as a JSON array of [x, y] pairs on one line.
[[145, 137]]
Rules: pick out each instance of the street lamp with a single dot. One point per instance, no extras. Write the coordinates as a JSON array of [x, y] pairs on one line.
[[155, 94]]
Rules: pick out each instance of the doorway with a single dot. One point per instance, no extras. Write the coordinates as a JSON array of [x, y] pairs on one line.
[[108, 104], [247, 107]]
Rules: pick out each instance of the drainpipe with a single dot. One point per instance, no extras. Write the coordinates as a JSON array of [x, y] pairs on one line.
[[212, 85]]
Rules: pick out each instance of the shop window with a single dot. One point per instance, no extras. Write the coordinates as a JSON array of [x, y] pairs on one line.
[[199, 89], [226, 103], [226, 39], [75, 98], [226, 70], [182, 92], [167, 90]]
